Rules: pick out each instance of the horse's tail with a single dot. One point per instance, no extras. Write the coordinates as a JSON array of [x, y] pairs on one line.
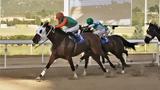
[[128, 44]]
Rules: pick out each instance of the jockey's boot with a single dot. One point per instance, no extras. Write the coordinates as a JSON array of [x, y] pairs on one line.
[[104, 39], [76, 38]]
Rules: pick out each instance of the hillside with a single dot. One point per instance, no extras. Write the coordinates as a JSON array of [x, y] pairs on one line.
[[140, 3], [23, 7]]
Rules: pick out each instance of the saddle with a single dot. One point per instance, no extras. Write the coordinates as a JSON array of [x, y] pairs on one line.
[[78, 38], [104, 40]]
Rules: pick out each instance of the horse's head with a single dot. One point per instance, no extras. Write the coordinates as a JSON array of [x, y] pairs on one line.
[[42, 32], [152, 32]]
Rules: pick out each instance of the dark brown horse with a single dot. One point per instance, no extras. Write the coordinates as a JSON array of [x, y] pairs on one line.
[[116, 46], [64, 47], [152, 32]]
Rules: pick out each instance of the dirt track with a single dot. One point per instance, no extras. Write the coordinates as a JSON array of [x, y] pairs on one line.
[[137, 77]]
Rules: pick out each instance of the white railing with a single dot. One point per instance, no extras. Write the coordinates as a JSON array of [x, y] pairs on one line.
[[8, 42]]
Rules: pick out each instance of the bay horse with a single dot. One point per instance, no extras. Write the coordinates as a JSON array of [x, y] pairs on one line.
[[152, 32], [64, 47], [116, 46]]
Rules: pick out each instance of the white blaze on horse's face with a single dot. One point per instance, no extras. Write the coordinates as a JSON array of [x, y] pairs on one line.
[[41, 31]]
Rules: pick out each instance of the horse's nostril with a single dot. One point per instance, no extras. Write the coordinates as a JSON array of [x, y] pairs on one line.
[[36, 39], [147, 40]]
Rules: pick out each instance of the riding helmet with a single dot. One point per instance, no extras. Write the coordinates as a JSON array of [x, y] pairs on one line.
[[59, 15], [89, 21]]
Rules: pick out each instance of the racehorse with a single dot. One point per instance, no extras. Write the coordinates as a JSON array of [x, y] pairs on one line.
[[64, 47], [116, 46], [152, 32]]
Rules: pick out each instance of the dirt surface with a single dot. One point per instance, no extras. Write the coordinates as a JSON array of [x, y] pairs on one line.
[[137, 77]]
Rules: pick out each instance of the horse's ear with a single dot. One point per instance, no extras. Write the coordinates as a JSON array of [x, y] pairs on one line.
[[147, 23], [46, 24]]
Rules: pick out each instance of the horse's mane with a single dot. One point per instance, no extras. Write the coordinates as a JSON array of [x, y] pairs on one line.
[[157, 27], [59, 30]]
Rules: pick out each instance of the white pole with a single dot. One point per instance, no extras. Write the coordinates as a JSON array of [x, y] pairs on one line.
[[0, 12], [31, 50], [5, 56], [66, 7], [157, 55], [159, 12], [42, 53], [145, 14], [131, 11]]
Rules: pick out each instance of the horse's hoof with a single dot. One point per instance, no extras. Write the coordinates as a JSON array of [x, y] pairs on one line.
[[73, 78], [84, 74], [107, 70], [38, 79], [122, 72]]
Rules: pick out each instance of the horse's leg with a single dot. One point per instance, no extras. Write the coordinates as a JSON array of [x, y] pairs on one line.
[[123, 62], [103, 59], [110, 63], [86, 65], [126, 52], [51, 60], [72, 67], [97, 59], [81, 59]]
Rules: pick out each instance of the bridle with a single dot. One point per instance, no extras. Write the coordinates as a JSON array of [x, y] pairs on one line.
[[50, 30]]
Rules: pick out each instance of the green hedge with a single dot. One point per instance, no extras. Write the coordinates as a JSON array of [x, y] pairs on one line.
[[16, 37]]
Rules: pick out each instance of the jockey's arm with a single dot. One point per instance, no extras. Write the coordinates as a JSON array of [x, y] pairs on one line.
[[62, 24], [92, 25]]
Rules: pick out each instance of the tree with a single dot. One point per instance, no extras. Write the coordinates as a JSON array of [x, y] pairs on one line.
[[154, 8], [28, 15], [138, 32], [37, 20], [136, 9]]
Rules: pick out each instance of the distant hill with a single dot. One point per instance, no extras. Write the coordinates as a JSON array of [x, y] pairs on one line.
[[23, 7], [140, 3]]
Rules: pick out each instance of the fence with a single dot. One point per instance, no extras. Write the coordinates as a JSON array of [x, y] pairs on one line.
[[29, 42]]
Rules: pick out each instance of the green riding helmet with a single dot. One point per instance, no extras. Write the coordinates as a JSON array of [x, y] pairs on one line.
[[89, 21]]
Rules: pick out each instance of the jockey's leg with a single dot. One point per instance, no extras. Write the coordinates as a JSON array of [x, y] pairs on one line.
[[72, 30]]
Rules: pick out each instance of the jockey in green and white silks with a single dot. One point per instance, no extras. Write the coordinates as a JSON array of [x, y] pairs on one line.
[[70, 24], [99, 28]]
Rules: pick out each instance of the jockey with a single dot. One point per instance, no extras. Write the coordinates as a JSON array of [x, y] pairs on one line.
[[100, 29], [70, 24]]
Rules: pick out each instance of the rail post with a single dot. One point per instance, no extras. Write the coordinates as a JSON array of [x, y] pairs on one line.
[[42, 53], [157, 55], [5, 56]]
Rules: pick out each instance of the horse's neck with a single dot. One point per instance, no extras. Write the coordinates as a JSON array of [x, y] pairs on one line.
[[158, 30], [57, 38]]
